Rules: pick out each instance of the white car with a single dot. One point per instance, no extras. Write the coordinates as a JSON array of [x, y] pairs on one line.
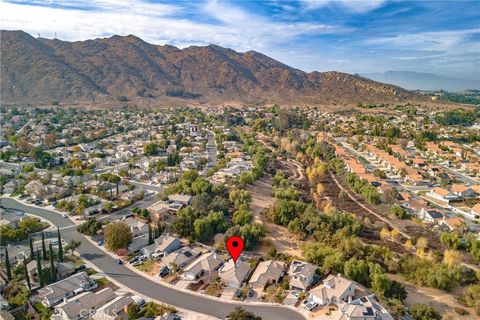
[[309, 304]]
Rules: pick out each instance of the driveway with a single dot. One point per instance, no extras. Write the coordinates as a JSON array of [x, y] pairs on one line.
[[169, 295]]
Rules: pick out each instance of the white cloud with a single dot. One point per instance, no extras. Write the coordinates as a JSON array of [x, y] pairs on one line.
[[359, 6], [153, 22]]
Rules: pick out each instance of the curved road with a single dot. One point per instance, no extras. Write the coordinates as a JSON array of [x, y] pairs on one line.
[[143, 285]]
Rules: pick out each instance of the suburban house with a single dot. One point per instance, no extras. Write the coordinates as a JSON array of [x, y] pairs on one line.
[[301, 274], [462, 191], [163, 244], [267, 272], [137, 226], [452, 223], [138, 243], [334, 289], [234, 275], [115, 309], [64, 269], [442, 194], [184, 199], [83, 306], [55, 293], [181, 258], [476, 210], [206, 264], [430, 215]]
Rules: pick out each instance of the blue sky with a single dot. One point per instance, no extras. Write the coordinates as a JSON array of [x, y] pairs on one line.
[[353, 36]]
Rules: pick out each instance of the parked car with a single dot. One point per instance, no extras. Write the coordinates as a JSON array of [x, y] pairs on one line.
[[164, 272], [296, 293], [157, 256], [65, 215], [250, 293], [80, 268], [309, 304], [238, 293], [118, 261], [137, 263], [140, 303], [100, 242]]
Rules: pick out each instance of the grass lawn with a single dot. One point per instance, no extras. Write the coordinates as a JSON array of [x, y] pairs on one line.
[[153, 309], [103, 282], [213, 289], [147, 266], [76, 261], [90, 271], [274, 293]]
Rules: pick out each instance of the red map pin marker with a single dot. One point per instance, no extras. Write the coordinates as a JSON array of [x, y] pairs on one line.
[[235, 247]]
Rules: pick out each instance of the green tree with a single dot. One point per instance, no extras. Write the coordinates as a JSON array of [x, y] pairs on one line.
[[60, 247], [117, 235], [451, 239], [32, 252], [242, 314], [25, 273], [44, 248], [242, 217], [423, 312], [205, 228], [133, 312], [150, 234], [8, 267], [72, 246], [39, 270], [53, 270], [399, 212], [150, 149], [183, 224]]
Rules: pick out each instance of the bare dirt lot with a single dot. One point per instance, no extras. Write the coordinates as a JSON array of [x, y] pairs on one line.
[[277, 236], [444, 302]]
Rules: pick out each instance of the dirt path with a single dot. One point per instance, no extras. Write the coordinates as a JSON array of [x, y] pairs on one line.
[[368, 209], [277, 236], [444, 302]]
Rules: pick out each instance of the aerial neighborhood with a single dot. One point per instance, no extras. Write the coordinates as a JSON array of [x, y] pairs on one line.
[[124, 214]]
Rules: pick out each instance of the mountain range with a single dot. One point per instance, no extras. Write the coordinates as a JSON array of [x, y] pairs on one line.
[[126, 68], [423, 81]]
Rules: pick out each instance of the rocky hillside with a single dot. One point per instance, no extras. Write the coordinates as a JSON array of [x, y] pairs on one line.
[[123, 68]]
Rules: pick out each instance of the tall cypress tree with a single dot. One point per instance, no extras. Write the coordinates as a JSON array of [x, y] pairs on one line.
[[32, 253], [60, 248], [27, 277], [39, 270], [53, 276], [8, 267], [44, 248], [150, 234]]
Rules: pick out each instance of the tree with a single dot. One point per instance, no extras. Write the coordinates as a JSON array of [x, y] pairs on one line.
[[451, 239], [452, 257], [394, 234], [32, 252], [422, 243], [399, 212], [150, 149], [53, 270], [60, 248], [44, 248], [108, 207], [25, 273], [133, 313], [242, 217], [8, 267], [423, 312], [90, 227], [72, 246], [39, 270], [205, 228], [117, 235], [384, 234], [242, 314], [150, 234]]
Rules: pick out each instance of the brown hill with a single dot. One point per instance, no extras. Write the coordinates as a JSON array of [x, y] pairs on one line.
[[102, 70]]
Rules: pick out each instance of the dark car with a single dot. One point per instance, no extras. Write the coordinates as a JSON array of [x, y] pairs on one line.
[[80, 268], [118, 261], [164, 272]]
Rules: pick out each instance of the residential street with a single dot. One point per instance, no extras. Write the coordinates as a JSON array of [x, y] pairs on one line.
[[143, 285]]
